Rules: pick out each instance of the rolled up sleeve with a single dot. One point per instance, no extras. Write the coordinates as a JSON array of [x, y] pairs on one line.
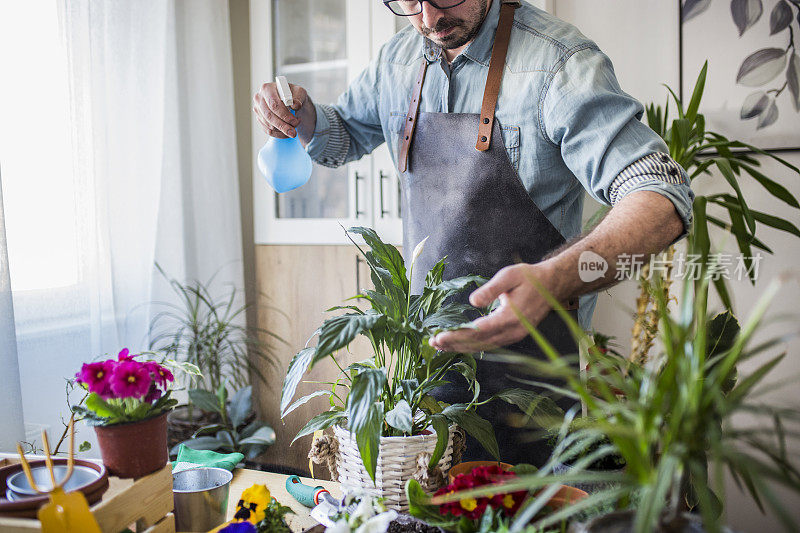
[[351, 127], [597, 128]]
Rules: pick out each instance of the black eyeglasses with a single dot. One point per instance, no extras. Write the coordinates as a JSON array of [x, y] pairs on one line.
[[407, 8]]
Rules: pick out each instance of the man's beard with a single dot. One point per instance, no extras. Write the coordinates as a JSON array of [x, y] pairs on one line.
[[464, 29]]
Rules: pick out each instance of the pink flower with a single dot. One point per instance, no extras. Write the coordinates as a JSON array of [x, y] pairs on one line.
[[159, 373], [123, 355], [97, 377], [131, 379]]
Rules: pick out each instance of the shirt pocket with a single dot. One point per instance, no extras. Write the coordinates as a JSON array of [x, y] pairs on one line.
[[511, 142], [397, 124]]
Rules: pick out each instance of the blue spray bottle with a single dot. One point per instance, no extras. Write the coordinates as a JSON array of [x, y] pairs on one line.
[[284, 162]]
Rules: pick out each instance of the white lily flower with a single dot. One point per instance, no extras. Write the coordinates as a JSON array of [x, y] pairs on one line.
[[378, 523], [363, 512], [418, 250]]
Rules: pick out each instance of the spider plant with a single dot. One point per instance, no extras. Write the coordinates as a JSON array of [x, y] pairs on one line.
[[207, 331], [673, 425]]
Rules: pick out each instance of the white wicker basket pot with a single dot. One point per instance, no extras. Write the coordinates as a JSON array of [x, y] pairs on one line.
[[397, 463]]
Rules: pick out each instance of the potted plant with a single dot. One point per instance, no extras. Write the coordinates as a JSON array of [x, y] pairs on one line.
[[672, 426], [387, 426], [207, 331], [699, 151], [238, 429], [127, 403]]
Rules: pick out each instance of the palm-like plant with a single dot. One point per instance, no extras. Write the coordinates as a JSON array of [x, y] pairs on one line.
[[699, 151]]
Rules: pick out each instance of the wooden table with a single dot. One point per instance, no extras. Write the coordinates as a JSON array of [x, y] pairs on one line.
[[276, 483]]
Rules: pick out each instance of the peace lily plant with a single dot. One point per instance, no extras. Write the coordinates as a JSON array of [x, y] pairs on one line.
[[389, 394]]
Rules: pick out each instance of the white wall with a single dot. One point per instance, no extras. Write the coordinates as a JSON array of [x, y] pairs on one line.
[[641, 38]]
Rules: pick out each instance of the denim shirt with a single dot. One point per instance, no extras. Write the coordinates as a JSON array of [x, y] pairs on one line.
[[566, 124]]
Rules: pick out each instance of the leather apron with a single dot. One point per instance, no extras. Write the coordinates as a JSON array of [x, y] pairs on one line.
[[469, 200]]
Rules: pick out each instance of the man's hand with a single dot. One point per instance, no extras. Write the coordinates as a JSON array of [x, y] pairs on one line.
[[514, 287], [643, 222], [276, 119]]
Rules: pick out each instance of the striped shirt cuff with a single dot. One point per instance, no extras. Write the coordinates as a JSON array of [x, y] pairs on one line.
[[657, 172], [331, 142]]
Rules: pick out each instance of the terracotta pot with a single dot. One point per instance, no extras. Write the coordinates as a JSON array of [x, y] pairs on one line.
[[135, 449], [566, 495], [467, 467]]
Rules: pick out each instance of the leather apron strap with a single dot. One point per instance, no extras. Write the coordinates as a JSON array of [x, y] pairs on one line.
[[490, 92], [496, 66]]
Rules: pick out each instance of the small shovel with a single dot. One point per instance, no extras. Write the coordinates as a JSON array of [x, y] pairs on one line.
[[66, 512], [324, 505]]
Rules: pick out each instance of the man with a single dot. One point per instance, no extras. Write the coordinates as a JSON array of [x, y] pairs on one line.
[[492, 148]]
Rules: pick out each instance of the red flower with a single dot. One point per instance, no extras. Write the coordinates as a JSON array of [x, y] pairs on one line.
[[123, 355], [473, 508], [131, 379]]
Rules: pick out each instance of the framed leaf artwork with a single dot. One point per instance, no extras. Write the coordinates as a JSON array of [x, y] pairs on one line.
[[753, 52]]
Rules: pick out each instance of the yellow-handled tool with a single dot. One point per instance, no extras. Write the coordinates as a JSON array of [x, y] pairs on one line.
[[66, 512]]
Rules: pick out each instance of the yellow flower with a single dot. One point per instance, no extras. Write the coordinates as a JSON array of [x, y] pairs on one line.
[[469, 504], [508, 501]]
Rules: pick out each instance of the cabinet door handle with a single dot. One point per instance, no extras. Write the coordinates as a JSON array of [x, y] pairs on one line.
[[358, 211], [399, 199], [358, 277], [382, 176]]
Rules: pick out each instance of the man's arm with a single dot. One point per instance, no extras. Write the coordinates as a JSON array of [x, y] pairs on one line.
[[643, 222]]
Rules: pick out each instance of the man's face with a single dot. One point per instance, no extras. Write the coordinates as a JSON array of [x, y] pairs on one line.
[[450, 28]]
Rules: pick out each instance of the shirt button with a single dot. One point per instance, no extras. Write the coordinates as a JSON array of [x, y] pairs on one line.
[[664, 158]]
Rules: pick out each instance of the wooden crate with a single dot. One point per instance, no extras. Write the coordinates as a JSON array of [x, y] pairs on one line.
[[146, 502]]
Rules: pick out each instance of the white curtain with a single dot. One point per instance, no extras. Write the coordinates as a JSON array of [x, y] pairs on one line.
[[11, 429], [153, 168]]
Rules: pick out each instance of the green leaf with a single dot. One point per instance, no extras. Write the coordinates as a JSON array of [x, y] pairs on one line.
[[769, 220], [364, 392], [201, 443], [727, 172], [338, 332], [697, 94], [298, 366], [85, 446], [400, 417], [205, 400], [304, 400], [773, 187], [241, 406], [721, 333], [368, 438], [480, 429], [265, 436], [409, 386], [100, 407], [386, 256], [211, 428], [321, 421], [420, 507], [442, 428], [429, 404], [222, 393]]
